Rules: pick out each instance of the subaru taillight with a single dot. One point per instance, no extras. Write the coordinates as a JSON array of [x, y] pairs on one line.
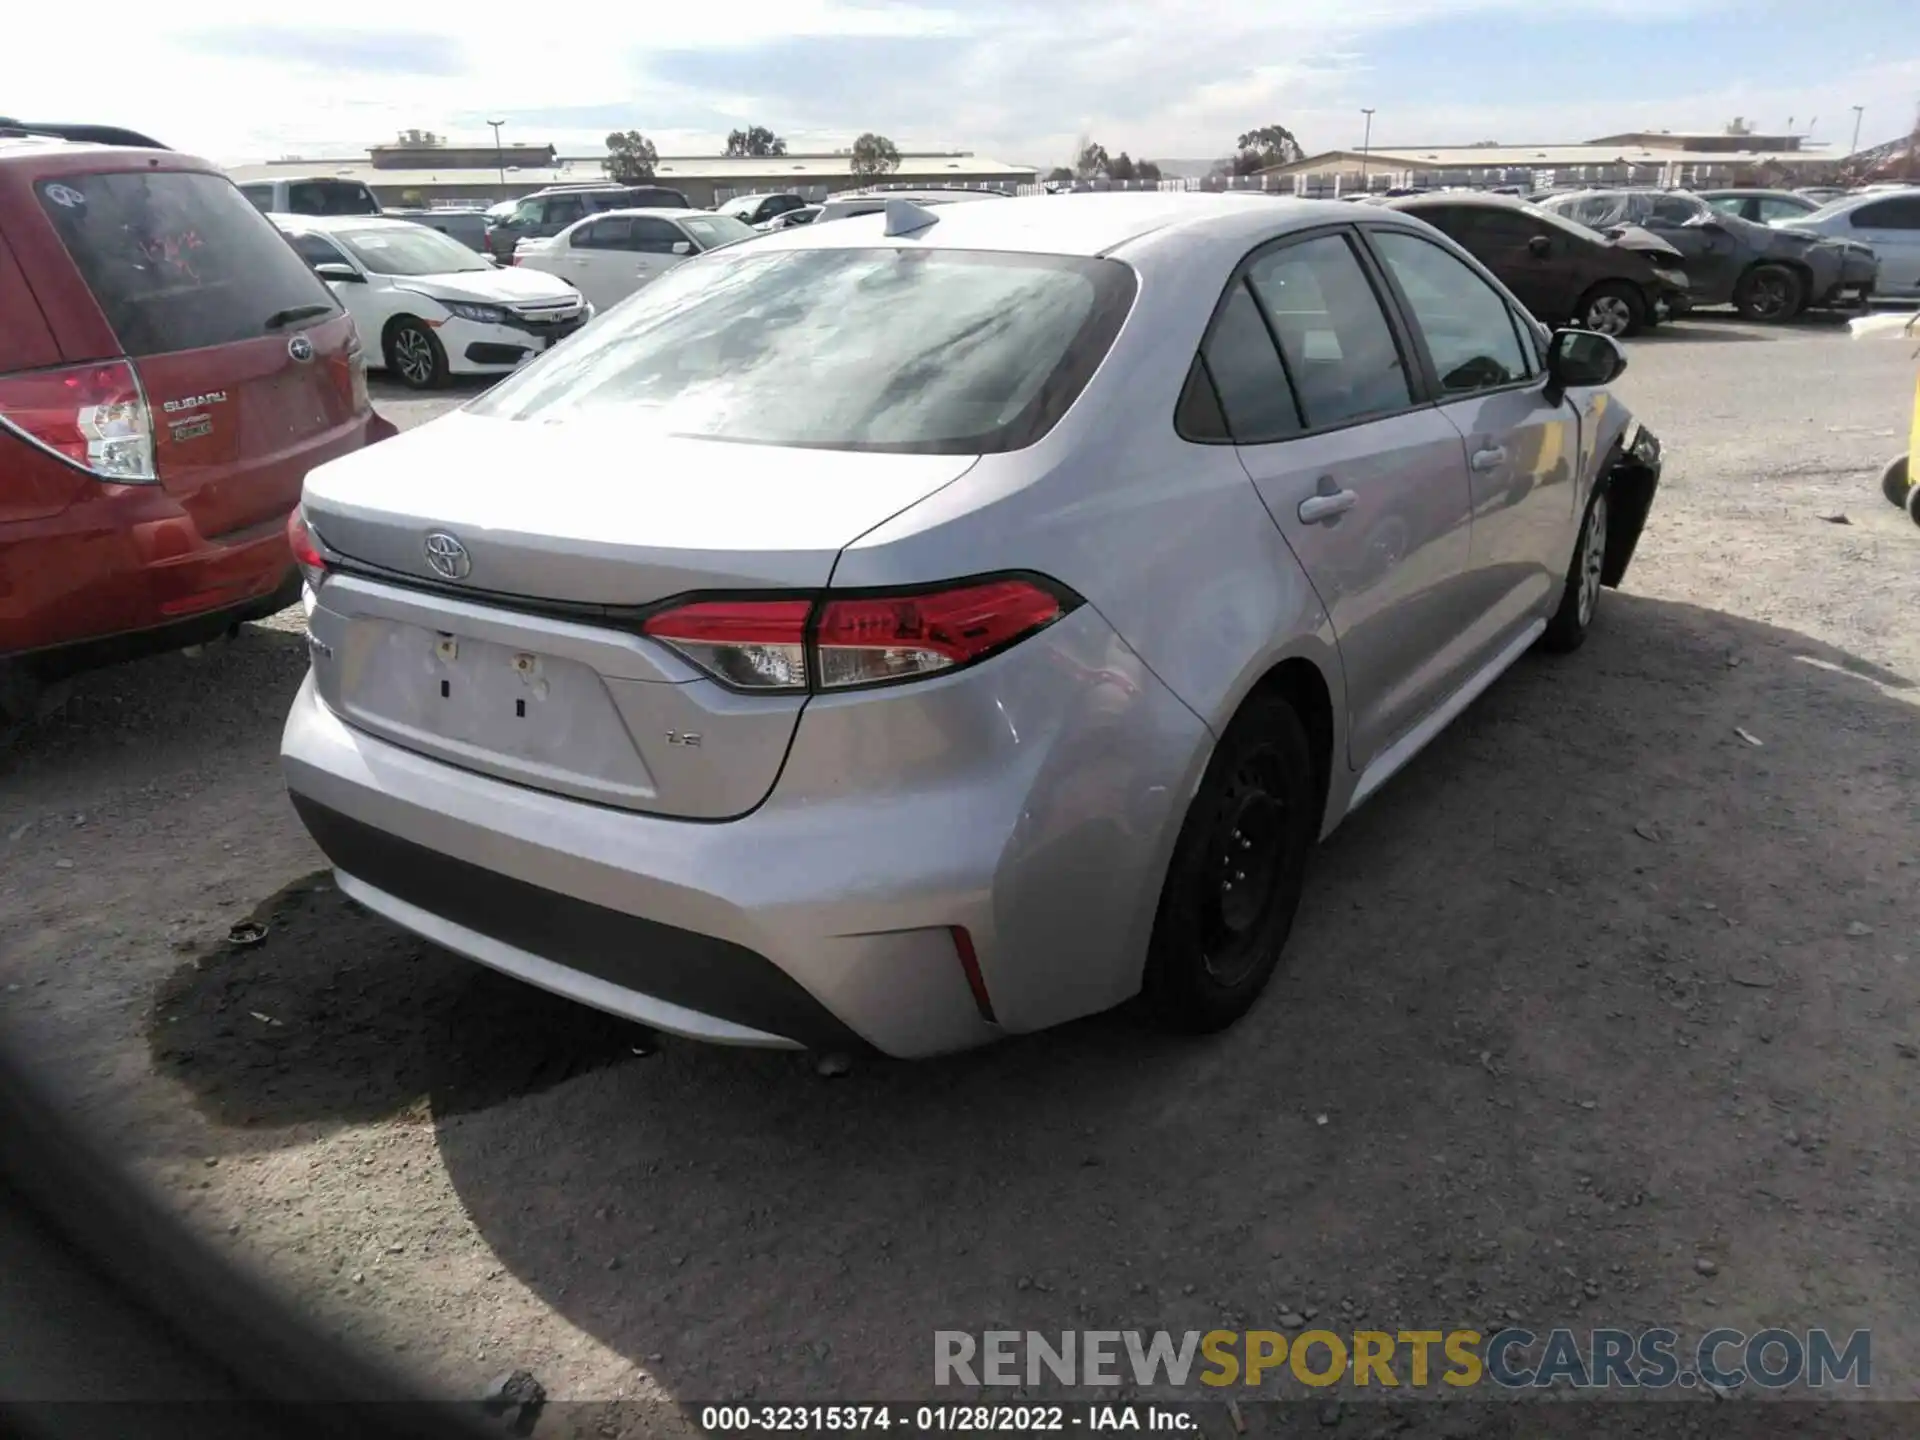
[[94, 415], [357, 372], [842, 642]]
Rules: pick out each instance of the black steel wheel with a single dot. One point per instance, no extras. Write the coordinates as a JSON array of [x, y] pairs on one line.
[[1237, 872]]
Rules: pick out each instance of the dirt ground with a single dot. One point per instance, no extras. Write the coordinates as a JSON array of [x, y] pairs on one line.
[[1601, 995]]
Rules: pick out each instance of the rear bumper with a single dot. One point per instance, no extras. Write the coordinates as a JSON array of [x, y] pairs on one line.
[[1032, 801], [125, 572]]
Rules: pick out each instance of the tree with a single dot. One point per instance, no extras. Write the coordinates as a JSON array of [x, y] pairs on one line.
[[1059, 175], [755, 140], [1264, 148], [874, 155], [631, 157], [1121, 167], [1146, 170], [1091, 162], [1739, 126]]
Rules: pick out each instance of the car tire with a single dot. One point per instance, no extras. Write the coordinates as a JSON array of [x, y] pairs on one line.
[[1580, 600], [1613, 308], [1893, 482], [1770, 293], [414, 354], [1238, 868]]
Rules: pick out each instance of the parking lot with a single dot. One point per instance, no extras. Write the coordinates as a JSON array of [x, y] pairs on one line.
[[1606, 1011]]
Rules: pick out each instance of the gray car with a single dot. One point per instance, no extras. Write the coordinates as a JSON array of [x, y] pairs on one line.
[[942, 624], [1764, 273], [1887, 222]]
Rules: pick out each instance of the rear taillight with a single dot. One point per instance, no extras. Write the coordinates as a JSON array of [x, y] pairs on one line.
[[93, 415], [842, 642], [357, 373], [307, 553]]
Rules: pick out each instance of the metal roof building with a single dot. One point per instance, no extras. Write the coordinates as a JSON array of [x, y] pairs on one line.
[[415, 175]]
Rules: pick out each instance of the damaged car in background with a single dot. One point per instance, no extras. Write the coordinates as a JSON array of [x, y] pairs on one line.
[[1764, 273]]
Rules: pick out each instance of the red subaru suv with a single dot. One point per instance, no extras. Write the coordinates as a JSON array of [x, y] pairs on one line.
[[170, 369]]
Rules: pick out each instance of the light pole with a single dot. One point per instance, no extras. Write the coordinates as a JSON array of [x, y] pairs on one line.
[[499, 160], [1857, 111], [1366, 144]]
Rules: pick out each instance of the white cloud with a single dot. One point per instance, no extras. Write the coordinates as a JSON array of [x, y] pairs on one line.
[[1155, 77]]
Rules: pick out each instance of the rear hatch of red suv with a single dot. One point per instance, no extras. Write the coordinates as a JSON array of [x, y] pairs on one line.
[[196, 350]]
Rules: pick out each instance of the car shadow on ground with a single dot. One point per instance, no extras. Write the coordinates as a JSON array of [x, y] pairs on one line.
[[1603, 1012]]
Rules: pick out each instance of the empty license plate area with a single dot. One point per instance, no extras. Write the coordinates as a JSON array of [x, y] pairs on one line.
[[538, 718]]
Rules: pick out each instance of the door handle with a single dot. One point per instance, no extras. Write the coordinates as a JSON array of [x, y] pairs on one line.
[[1491, 458], [1328, 504]]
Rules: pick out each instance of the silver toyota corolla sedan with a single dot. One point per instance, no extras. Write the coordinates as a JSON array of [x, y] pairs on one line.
[[945, 623]]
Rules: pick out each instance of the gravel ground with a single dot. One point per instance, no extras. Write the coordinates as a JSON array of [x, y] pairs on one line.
[[1602, 1013]]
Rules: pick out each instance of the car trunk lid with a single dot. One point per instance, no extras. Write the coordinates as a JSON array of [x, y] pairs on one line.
[[492, 577]]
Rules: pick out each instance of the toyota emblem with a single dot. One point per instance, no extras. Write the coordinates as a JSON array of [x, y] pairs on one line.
[[300, 348], [448, 556]]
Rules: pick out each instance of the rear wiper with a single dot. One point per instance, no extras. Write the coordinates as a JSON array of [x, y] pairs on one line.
[[296, 312]]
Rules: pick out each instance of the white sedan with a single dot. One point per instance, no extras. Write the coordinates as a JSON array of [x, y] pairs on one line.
[[614, 253], [426, 306]]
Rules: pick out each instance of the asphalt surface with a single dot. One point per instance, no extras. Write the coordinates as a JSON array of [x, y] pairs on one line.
[[1605, 1012]]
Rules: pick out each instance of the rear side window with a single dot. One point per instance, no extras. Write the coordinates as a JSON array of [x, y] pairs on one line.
[[1338, 346], [178, 260], [607, 234], [1900, 214], [931, 352], [260, 196], [1247, 374]]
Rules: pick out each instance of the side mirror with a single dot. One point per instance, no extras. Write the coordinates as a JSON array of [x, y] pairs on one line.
[[1540, 247], [1583, 358], [683, 247], [344, 274]]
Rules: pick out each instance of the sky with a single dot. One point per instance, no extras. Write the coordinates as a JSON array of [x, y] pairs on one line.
[[239, 81]]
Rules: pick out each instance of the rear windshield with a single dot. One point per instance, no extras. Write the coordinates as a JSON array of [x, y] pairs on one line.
[[178, 260], [331, 197], [942, 352]]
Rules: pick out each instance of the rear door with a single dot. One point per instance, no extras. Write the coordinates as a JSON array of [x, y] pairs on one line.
[[598, 261], [1521, 446], [249, 365], [1366, 481], [1892, 228]]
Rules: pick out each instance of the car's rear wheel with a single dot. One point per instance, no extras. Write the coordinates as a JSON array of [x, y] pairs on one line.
[[1613, 308], [1770, 293], [1567, 630], [1893, 481], [415, 355], [1237, 871]]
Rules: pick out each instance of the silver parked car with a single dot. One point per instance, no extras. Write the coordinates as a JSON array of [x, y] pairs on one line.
[[945, 623], [1887, 221]]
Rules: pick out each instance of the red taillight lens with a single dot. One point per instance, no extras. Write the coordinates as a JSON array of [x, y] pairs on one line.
[[94, 415], [750, 644], [307, 553], [866, 640], [842, 642]]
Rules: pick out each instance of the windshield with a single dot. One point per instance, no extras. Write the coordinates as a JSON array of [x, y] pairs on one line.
[[409, 250], [923, 351], [713, 231]]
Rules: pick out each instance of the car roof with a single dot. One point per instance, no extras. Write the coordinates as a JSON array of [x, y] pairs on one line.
[[326, 224], [657, 212], [1481, 198], [1090, 224]]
